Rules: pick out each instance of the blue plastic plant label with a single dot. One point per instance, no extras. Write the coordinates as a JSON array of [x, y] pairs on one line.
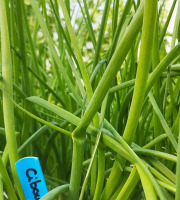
[[31, 178]]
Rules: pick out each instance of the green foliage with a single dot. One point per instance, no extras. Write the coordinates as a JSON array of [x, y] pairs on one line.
[[92, 88]]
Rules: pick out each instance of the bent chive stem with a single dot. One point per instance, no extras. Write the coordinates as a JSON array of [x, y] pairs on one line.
[[148, 31], [111, 71], [59, 48], [107, 79]]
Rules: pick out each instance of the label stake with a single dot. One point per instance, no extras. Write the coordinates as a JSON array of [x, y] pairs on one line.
[[31, 178]]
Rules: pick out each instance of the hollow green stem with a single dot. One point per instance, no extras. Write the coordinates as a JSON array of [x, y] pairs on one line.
[[147, 185], [129, 185], [163, 32], [178, 170], [90, 166], [8, 91], [101, 32], [78, 155], [163, 122], [176, 26], [7, 181], [1, 188], [53, 193], [111, 70], [149, 22]]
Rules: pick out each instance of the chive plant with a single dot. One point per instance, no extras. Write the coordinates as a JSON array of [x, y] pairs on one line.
[[92, 89]]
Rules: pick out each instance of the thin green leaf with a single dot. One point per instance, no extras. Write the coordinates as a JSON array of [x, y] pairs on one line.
[[163, 121], [53, 193], [147, 186]]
